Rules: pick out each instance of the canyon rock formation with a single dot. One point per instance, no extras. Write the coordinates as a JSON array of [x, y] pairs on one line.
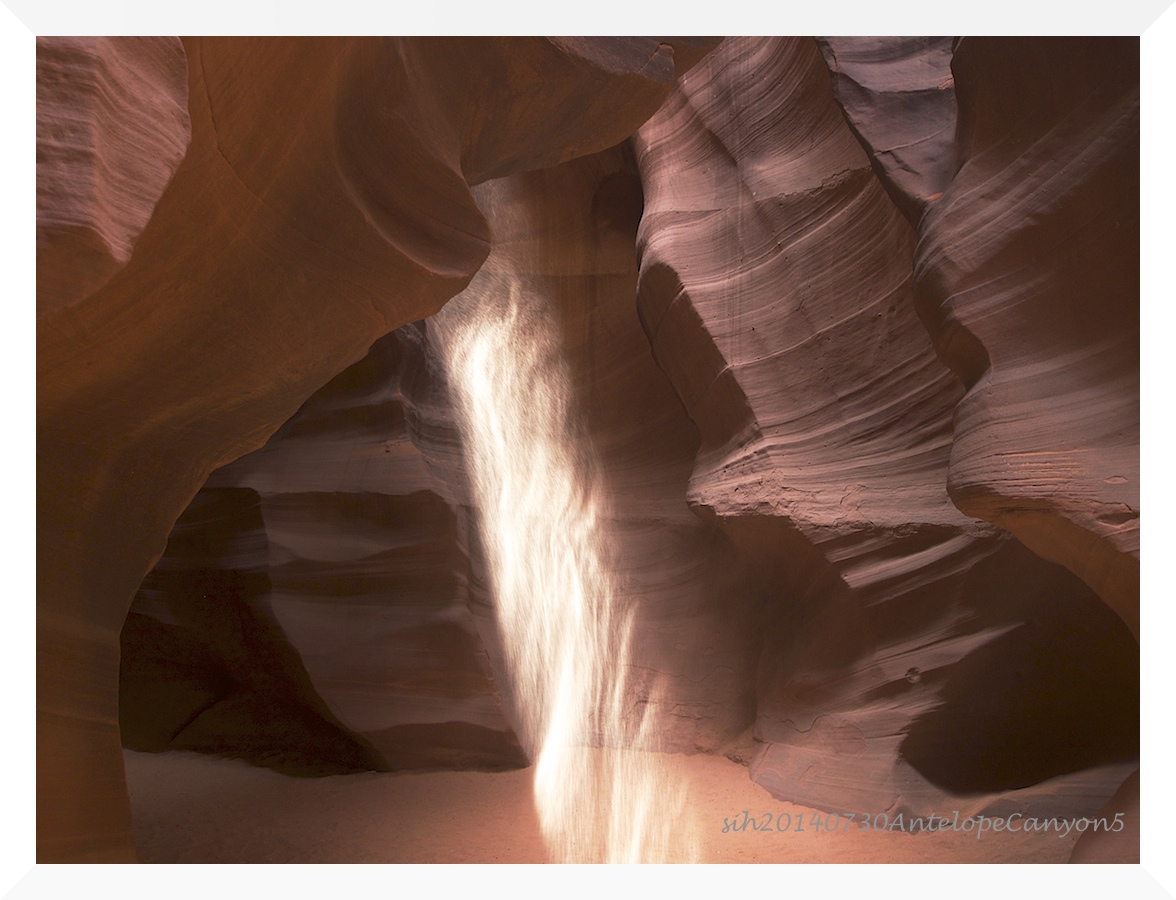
[[322, 201], [372, 560], [1040, 316], [778, 293], [853, 326], [112, 128]]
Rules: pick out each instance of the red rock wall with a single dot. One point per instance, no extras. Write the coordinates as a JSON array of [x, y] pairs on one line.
[[112, 128], [202, 666], [1027, 274], [281, 248], [778, 292], [898, 96]]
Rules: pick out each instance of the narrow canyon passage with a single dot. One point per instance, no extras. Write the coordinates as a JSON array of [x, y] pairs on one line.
[[547, 448]]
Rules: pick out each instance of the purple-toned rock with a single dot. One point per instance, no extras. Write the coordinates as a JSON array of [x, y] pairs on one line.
[[777, 291], [112, 128], [898, 97], [1027, 274]]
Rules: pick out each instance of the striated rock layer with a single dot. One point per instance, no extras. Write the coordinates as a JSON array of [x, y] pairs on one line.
[[112, 128], [899, 100], [365, 574], [322, 201], [1028, 277], [778, 294]]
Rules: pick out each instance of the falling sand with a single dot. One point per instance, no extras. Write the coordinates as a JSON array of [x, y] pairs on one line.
[[565, 625]]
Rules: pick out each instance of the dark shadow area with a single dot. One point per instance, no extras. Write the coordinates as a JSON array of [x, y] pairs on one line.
[[1057, 694], [204, 666]]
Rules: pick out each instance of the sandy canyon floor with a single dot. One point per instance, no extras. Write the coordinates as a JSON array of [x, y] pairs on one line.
[[190, 808]]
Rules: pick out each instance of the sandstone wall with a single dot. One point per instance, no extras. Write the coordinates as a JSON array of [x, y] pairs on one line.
[[322, 201], [778, 290]]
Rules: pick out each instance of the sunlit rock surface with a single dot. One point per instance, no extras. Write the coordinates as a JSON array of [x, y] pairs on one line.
[[322, 201], [777, 291], [567, 236]]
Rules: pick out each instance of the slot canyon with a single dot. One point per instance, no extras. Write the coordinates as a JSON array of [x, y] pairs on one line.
[[613, 440]]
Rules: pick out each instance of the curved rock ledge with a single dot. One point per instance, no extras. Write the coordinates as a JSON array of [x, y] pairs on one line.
[[898, 96]]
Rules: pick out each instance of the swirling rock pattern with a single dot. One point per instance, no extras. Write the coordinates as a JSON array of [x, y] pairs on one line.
[[898, 97], [1028, 276], [777, 291], [279, 251], [112, 127], [780, 421]]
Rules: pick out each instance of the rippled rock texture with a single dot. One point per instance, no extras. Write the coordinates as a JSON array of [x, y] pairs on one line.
[[204, 665], [778, 292], [898, 97], [1028, 277], [853, 325], [322, 201], [112, 128]]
